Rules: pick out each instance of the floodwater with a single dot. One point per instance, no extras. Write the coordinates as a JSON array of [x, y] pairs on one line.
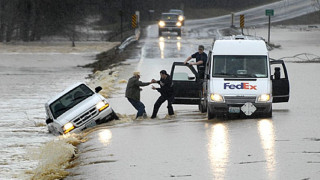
[[29, 76], [189, 146]]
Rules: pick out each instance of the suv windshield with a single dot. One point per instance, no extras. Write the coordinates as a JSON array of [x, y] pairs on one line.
[[169, 17], [240, 66], [176, 11], [70, 99]]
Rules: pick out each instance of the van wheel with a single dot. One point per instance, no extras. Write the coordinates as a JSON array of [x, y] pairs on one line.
[[202, 109], [269, 114], [202, 106], [211, 115]]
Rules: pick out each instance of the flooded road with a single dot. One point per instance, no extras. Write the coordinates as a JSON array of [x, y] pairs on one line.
[[189, 146]]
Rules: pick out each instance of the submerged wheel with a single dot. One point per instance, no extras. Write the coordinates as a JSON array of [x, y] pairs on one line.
[[211, 115], [114, 116], [202, 106], [269, 114]]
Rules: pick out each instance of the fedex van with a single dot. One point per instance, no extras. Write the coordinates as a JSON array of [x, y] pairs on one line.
[[241, 79]]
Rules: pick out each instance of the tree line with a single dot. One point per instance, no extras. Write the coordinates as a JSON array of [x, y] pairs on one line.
[[30, 20]]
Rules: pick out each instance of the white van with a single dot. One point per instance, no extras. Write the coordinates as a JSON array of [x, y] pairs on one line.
[[242, 79]]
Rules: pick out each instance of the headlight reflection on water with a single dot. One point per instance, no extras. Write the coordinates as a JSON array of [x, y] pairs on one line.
[[267, 138], [161, 45], [179, 46], [218, 149], [105, 136]]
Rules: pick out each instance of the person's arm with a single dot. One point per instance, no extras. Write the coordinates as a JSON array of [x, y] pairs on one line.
[[158, 89], [188, 59], [155, 81], [197, 63], [202, 60], [140, 83]]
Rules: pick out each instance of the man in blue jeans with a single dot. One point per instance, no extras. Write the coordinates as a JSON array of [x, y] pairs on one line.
[[133, 94]]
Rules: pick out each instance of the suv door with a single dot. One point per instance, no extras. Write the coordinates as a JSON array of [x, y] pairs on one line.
[[186, 83], [280, 81]]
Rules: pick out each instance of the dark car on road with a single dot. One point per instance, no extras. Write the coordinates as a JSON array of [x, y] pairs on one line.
[[169, 22], [181, 17]]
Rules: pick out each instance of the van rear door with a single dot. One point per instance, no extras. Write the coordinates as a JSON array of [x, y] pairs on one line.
[[280, 81]]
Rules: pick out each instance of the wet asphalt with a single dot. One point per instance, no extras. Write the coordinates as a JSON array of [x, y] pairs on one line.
[[188, 145]]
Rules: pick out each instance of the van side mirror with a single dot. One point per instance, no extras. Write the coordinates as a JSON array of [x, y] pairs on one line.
[[208, 76], [98, 89]]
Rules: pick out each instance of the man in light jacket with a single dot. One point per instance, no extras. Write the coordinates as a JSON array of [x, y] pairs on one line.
[[133, 94]]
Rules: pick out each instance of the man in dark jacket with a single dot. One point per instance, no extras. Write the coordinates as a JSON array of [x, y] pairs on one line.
[[133, 93], [166, 91], [201, 60]]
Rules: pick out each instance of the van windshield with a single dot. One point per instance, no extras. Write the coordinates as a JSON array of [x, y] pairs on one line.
[[240, 66], [70, 99]]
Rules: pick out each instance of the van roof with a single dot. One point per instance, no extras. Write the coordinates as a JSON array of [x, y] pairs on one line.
[[232, 45]]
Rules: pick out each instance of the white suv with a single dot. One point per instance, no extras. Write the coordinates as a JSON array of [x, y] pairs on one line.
[[77, 108]]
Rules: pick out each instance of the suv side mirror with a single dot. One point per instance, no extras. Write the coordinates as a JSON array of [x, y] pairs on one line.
[[98, 89]]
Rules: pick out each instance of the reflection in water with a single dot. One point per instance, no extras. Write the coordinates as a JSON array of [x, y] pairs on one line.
[[161, 45], [179, 45], [105, 136], [267, 137], [218, 150]]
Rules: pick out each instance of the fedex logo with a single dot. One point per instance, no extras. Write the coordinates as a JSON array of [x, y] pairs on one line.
[[240, 86]]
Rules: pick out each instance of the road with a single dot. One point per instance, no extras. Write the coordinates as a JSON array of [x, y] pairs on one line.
[[188, 146]]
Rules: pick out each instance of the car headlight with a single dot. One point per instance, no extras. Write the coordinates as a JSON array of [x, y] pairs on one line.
[[162, 23], [102, 105], [216, 98], [68, 127], [264, 98], [180, 18], [178, 24]]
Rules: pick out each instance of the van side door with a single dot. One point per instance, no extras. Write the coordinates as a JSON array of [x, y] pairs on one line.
[[280, 81]]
